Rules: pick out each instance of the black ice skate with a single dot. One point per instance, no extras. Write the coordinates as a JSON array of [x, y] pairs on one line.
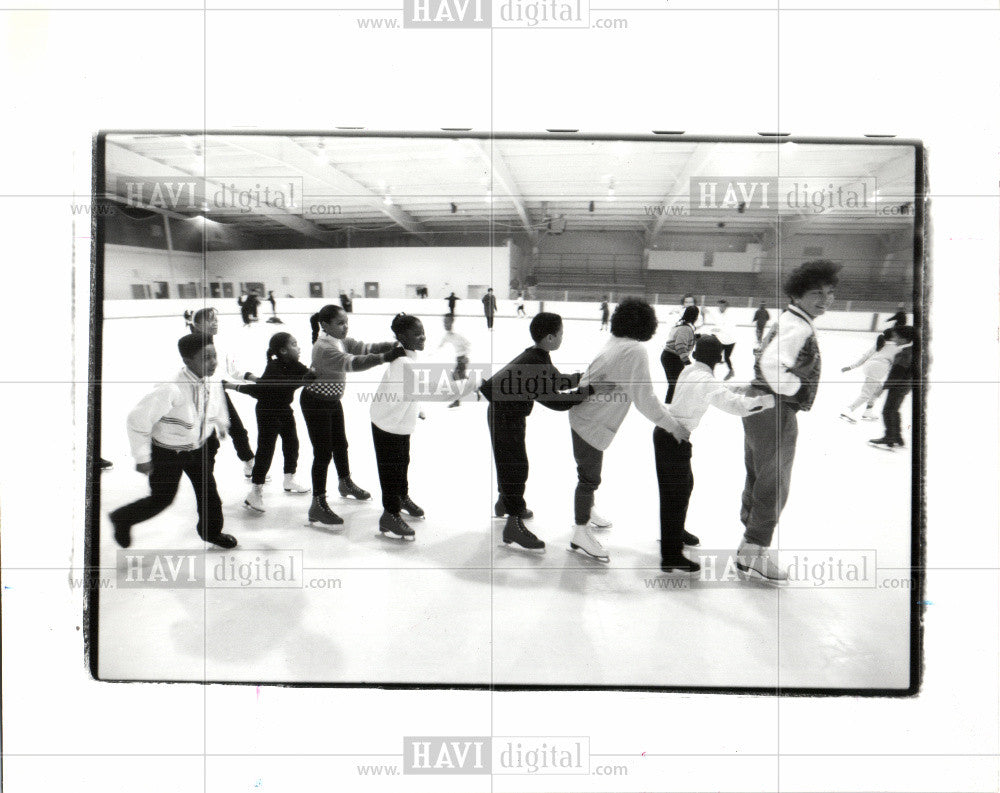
[[516, 532], [501, 511], [678, 562], [123, 532], [226, 541], [882, 443], [412, 508], [320, 512], [392, 523], [689, 539], [348, 488]]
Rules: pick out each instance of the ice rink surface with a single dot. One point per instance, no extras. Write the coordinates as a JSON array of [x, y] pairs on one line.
[[457, 607]]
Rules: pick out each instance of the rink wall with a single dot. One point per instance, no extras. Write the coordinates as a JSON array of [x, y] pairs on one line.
[[132, 309]]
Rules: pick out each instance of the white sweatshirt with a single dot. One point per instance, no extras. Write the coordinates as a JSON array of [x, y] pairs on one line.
[[623, 361], [697, 390], [722, 324], [393, 407], [180, 415]]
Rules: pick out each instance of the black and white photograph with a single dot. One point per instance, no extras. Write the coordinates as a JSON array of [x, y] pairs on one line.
[[763, 341], [502, 395]]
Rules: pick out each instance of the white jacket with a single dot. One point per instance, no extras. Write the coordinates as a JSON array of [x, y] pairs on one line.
[[393, 407], [180, 415], [623, 361]]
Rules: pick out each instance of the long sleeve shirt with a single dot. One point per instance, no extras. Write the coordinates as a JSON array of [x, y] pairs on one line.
[[625, 362], [276, 387], [723, 325], [885, 353], [393, 407], [681, 340], [532, 377], [761, 317], [333, 358], [458, 341], [179, 415], [788, 364], [697, 390]]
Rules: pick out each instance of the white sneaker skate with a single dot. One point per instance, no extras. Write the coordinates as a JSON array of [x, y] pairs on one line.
[[585, 542], [755, 559], [291, 486], [869, 416], [598, 522], [255, 499]]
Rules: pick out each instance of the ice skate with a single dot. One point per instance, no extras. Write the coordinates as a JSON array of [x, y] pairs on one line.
[[690, 540], [291, 486], [392, 523], [598, 522], [123, 532], [455, 404], [730, 375], [411, 509], [869, 416], [755, 561], [348, 488], [254, 502], [678, 562], [106, 465], [226, 541], [516, 532], [248, 470], [320, 512], [848, 418], [501, 511], [585, 542], [883, 443]]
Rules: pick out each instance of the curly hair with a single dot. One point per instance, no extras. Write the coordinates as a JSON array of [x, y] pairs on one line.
[[634, 319], [811, 275], [403, 322]]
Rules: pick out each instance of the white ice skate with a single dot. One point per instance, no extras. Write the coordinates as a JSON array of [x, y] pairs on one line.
[[585, 542], [255, 499], [848, 418], [869, 416], [597, 521], [291, 486], [755, 560], [248, 470]]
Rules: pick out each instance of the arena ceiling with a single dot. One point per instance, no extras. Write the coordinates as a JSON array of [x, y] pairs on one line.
[[433, 185]]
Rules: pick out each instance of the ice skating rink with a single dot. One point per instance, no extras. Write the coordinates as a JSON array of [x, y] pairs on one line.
[[456, 607]]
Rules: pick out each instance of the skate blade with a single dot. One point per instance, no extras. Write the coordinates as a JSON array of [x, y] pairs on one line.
[[297, 492], [252, 510], [513, 546], [753, 574], [397, 537], [883, 447], [318, 524], [574, 547], [600, 526], [670, 570]]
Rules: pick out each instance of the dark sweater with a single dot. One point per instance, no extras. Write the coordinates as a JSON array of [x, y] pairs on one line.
[[277, 386], [532, 377]]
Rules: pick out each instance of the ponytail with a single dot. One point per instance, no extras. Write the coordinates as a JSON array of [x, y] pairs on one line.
[[314, 324], [325, 314]]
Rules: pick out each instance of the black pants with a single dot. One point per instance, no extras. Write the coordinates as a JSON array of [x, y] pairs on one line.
[[489, 320], [392, 455], [675, 481], [507, 430], [760, 332], [165, 478], [673, 365], [894, 396], [272, 423], [325, 422], [238, 433], [727, 354]]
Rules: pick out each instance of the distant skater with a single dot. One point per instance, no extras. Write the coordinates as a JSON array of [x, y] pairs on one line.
[[760, 319], [489, 307], [452, 299], [520, 303], [605, 313]]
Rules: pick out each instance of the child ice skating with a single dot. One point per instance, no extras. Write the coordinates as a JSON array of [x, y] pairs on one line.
[[174, 430], [697, 390], [274, 391], [462, 347], [877, 362], [677, 351], [394, 417], [624, 365]]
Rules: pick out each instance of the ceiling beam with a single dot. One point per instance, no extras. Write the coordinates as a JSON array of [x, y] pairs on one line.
[[699, 158], [144, 165], [503, 176]]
